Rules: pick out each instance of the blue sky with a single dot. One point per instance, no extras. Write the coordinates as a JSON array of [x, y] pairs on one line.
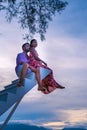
[[65, 51]]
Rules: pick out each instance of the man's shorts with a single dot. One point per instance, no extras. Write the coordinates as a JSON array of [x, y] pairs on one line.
[[19, 69]]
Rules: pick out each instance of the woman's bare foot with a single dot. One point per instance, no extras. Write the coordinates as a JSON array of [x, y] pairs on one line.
[[41, 88], [47, 88], [61, 87]]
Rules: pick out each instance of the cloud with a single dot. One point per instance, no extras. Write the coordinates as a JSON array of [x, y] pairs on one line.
[[62, 118], [67, 52], [7, 75], [69, 119]]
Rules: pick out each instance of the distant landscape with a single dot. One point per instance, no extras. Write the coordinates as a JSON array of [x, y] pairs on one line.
[[20, 126], [17, 126]]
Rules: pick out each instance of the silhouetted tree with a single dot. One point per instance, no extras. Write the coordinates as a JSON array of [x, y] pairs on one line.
[[33, 15]]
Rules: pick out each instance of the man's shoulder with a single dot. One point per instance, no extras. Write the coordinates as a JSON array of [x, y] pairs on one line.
[[19, 54]]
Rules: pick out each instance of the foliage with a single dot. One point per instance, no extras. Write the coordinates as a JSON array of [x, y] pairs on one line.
[[33, 15]]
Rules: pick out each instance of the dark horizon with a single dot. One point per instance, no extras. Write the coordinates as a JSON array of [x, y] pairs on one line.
[[17, 126]]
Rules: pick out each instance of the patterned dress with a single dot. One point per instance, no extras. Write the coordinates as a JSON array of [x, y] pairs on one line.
[[48, 82]]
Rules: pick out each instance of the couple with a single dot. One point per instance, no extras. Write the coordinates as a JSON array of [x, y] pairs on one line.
[[26, 64]]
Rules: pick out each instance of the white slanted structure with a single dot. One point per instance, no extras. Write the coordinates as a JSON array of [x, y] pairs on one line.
[[12, 94]]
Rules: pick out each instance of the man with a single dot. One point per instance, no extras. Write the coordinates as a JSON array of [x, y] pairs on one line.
[[23, 67]]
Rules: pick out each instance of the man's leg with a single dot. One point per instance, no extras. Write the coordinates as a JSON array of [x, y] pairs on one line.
[[23, 73], [37, 74]]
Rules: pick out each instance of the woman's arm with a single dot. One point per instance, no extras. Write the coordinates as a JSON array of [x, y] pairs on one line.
[[35, 54]]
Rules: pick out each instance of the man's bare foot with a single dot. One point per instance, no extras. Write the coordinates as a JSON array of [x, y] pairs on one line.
[[19, 84]]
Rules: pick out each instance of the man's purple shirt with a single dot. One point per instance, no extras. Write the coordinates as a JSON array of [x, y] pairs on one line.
[[21, 57]]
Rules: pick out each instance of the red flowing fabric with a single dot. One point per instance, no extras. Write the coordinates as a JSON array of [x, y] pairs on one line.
[[48, 82]]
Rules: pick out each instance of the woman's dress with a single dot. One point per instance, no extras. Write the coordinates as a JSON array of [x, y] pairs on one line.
[[48, 82]]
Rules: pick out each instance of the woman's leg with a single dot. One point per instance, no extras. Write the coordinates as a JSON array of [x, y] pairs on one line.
[[38, 77]]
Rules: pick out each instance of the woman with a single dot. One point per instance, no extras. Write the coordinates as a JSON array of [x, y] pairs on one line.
[[49, 81]]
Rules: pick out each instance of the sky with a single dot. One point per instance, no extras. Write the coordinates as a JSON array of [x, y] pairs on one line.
[[65, 52]]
